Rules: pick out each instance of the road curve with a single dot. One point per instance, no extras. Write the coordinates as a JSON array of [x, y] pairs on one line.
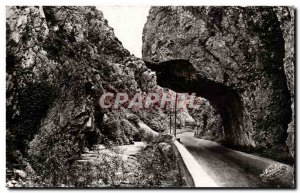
[[228, 168]]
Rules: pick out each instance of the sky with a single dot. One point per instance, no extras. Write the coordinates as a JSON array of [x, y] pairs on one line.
[[128, 23]]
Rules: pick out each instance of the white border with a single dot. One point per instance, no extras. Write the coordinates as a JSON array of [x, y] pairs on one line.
[[112, 2]]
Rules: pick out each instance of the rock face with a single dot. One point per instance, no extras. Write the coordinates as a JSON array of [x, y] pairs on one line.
[[209, 123], [236, 57], [286, 16], [59, 62]]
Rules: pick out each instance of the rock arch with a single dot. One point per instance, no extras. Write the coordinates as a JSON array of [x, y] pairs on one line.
[[234, 57]]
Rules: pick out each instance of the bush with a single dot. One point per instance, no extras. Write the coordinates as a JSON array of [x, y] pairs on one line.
[[53, 158], [108, 169], [158, 168]]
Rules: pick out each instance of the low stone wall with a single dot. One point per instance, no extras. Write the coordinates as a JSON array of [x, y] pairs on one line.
[[192, 172]]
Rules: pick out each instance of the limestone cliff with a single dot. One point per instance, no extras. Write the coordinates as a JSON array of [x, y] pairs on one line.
[[59, 62], [239, 58], [286, 16]]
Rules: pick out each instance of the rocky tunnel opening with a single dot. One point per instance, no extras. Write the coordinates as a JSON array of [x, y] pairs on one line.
[[180, 76]]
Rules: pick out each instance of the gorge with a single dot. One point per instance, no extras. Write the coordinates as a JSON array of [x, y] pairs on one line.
[[60, 60]]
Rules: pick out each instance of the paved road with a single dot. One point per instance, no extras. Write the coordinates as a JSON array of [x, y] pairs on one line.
[[227, 167]]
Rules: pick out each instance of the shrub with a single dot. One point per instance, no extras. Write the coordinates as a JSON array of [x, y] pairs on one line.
[[158, 168], [53, 158]]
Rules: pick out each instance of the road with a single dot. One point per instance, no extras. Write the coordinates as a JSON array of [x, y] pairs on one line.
[[228, 168]]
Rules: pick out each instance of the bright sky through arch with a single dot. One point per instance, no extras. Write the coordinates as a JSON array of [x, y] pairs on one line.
[[128, 23]]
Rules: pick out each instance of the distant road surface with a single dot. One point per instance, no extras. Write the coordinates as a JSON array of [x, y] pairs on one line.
[[229, 168]]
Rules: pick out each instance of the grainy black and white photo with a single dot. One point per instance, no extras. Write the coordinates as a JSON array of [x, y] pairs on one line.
[[150, 97]]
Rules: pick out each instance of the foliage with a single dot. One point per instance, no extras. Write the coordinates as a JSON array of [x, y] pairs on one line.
[[153, 167], [53, 158], [158, 168]]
